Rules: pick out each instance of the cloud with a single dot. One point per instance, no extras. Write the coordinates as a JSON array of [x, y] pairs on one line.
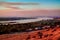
[[28, 13], [20, 3]]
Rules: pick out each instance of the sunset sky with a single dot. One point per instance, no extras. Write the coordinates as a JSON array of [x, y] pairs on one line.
[[44, 8]]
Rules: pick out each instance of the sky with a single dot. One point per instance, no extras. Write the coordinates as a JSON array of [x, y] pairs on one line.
[[44, 8], [43, 4]]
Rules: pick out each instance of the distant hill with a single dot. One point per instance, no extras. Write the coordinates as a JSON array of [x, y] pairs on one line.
[[13, 18]]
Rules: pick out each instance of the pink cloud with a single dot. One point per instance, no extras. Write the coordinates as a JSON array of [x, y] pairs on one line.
[[28, 13]]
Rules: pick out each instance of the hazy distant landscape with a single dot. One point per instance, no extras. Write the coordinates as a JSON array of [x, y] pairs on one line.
[[22, 18], [13, 18], [29, 19]]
